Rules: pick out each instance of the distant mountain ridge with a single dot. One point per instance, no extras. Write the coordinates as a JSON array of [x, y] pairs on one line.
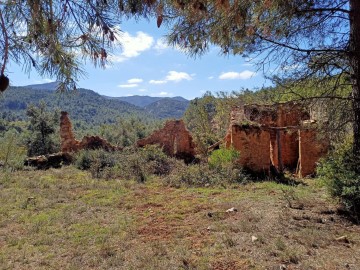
[[87, 105], [51, 86], [143, 101]]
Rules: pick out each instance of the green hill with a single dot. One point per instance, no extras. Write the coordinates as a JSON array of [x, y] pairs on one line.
[[168, 108], [83, 105]]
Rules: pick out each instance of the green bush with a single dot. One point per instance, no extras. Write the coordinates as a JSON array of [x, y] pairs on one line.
[[12, 153], [223, 158], [200, 175], [155, 160], [96, 161], [340, 174]]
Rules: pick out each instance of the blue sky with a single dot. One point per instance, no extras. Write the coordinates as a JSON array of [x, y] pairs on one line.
[[147, 66]]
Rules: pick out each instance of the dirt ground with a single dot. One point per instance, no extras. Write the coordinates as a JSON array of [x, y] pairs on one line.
[[63, 219]]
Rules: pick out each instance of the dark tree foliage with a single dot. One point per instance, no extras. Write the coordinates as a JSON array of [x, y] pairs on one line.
[[42, 126], [52, 36]]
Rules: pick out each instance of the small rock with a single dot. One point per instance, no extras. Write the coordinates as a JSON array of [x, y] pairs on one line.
[[343, 239], [253, 238], [282, 267], [232, 209], [209, 228], [209, 214]]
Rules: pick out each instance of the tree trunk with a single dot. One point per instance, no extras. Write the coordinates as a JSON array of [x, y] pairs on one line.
[[355, 70]]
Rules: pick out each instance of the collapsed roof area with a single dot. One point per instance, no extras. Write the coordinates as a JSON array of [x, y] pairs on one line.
[[274, 138]]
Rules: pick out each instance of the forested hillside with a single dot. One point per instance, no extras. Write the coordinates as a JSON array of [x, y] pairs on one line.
[[87, 105]]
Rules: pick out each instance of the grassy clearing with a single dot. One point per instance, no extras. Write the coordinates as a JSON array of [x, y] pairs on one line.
[[64, 219]]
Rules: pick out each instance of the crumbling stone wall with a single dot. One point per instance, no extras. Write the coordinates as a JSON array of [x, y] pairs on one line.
[[289, 148], [291, 145], [312, 149], [253, 144], [70, 144], [68, 141], [277, 115], [175, 140]]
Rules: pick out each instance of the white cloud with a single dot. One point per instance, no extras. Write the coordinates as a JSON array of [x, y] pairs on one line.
[[142, 90], [161, 44], [211, 77], [163, 93], [132, 46], [135, 80], [131, 85], [157, 81], [244, 75], [178, 76]]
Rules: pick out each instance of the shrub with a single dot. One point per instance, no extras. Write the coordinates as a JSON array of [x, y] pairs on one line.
[[200, 175], [223, 158], [339, 171], [155, 160], [12, 153], [95, 160]]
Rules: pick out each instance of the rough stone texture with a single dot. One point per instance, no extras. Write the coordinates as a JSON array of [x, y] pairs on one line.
[[312, 149], [175, 140], [70, 144], [289, 148], [45, 162], [278, 115], [291, 145], [253, 144]]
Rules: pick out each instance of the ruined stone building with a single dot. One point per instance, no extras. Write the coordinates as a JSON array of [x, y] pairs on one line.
[[70, 144], [175, 140], [276, 138]]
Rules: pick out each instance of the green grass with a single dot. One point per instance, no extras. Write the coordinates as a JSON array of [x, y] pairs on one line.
[[64, 219]]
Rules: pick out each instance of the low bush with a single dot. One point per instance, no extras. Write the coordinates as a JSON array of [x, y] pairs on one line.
[[95, 161], [131, 163], [223, 158], [340, 172], [12, 153]]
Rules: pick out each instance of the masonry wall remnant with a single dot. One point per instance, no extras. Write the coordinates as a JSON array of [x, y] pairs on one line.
[[70, 144], [175, 140], [276, 138]]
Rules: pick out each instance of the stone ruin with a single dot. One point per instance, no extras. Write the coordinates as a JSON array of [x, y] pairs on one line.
[[270, 139], [175, 140], [70, 144], [274, 138]]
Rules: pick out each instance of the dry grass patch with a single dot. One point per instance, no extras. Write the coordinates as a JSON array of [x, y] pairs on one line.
[[64, 219]]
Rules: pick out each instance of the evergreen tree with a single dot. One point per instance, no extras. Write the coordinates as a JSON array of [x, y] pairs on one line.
[[42, 126]]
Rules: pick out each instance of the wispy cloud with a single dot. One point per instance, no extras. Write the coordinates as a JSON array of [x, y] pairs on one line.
[[161, 44], [178, 76], [135, 80], [142, 90], [244, 75], [131, 85], [174, 76], [157, 81]]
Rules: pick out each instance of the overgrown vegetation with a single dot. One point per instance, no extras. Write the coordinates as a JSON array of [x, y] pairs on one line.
[[339, 171], [12, 152], [146, 163]]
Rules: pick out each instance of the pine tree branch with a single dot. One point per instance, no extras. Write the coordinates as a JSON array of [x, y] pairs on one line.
[[6, 40]]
